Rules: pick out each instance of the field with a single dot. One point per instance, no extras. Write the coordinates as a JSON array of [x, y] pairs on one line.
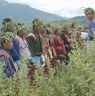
[[75, 79]]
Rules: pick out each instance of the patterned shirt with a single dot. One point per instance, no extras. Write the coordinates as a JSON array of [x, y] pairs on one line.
[[7, 64], [91, 30]]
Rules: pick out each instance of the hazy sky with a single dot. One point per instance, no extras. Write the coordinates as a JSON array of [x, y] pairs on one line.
[[65, 8]]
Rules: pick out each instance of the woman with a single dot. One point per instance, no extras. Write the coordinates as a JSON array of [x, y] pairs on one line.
[[8, 27], [9, 67], [23, 46], [35, 45], [59, 45], [52, 52]]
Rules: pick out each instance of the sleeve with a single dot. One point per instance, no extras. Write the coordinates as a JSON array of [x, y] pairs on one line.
[[91, 31]]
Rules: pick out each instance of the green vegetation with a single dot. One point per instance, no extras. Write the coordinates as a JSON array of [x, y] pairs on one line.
[[75, 79]]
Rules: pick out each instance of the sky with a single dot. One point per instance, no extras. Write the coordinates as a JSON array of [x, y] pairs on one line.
[[65, 8]]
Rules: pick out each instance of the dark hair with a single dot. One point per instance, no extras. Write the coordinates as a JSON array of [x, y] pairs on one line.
[[48, 25], [4, 37], [73, 25], [6, 20], [2, 43], [35, 20], [56, 30], [20, 24]]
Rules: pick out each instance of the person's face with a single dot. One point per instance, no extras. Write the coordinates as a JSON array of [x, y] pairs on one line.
[[9, 44], [21, 33], [58, 32], [89, 15], [42, 30]]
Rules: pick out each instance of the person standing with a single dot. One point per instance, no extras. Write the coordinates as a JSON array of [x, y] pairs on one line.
[[90, 15], [35, 43], [8, 65], [9, 27], [23, 46], [59, 45]]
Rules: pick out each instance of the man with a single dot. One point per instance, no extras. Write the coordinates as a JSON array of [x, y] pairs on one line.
[[89, 12]]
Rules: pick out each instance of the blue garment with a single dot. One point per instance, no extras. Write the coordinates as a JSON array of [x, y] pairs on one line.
[[15, 51], [91, 28], [8, 66], [36, 59]]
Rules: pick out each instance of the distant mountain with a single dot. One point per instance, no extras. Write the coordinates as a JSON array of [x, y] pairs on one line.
[[79, 19], [24, 13]]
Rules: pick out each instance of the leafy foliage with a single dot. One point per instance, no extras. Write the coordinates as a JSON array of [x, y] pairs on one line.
[[75, 79]]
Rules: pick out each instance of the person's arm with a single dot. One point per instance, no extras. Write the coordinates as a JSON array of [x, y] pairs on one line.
[[91, 31]]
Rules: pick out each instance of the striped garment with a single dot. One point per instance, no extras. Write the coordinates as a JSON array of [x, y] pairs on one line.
[[8, 66]]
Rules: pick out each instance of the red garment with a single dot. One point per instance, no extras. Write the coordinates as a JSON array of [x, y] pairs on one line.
[[69, 38], [59, 46], [31, 35], [67, 35]]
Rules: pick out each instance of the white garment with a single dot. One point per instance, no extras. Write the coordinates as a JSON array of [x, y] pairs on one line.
[[84, 35], [23, 46], [91, 43]]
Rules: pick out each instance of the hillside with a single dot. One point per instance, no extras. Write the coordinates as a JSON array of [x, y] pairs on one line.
[[24, 13]]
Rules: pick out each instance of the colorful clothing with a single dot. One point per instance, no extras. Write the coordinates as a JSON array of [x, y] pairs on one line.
[[23, 46], [35, 45], [36, 48], [70, 39], [91, 30], [45, 43], [15, 51], [91, 33], [9, 68], [52, 51], [59, 47], [65, 38]]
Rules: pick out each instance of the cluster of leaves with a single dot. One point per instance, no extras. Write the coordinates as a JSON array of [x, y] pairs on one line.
[[9, 26], [6, 36]]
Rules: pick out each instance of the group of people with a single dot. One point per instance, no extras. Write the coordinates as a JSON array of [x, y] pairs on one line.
[[43, 44]]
